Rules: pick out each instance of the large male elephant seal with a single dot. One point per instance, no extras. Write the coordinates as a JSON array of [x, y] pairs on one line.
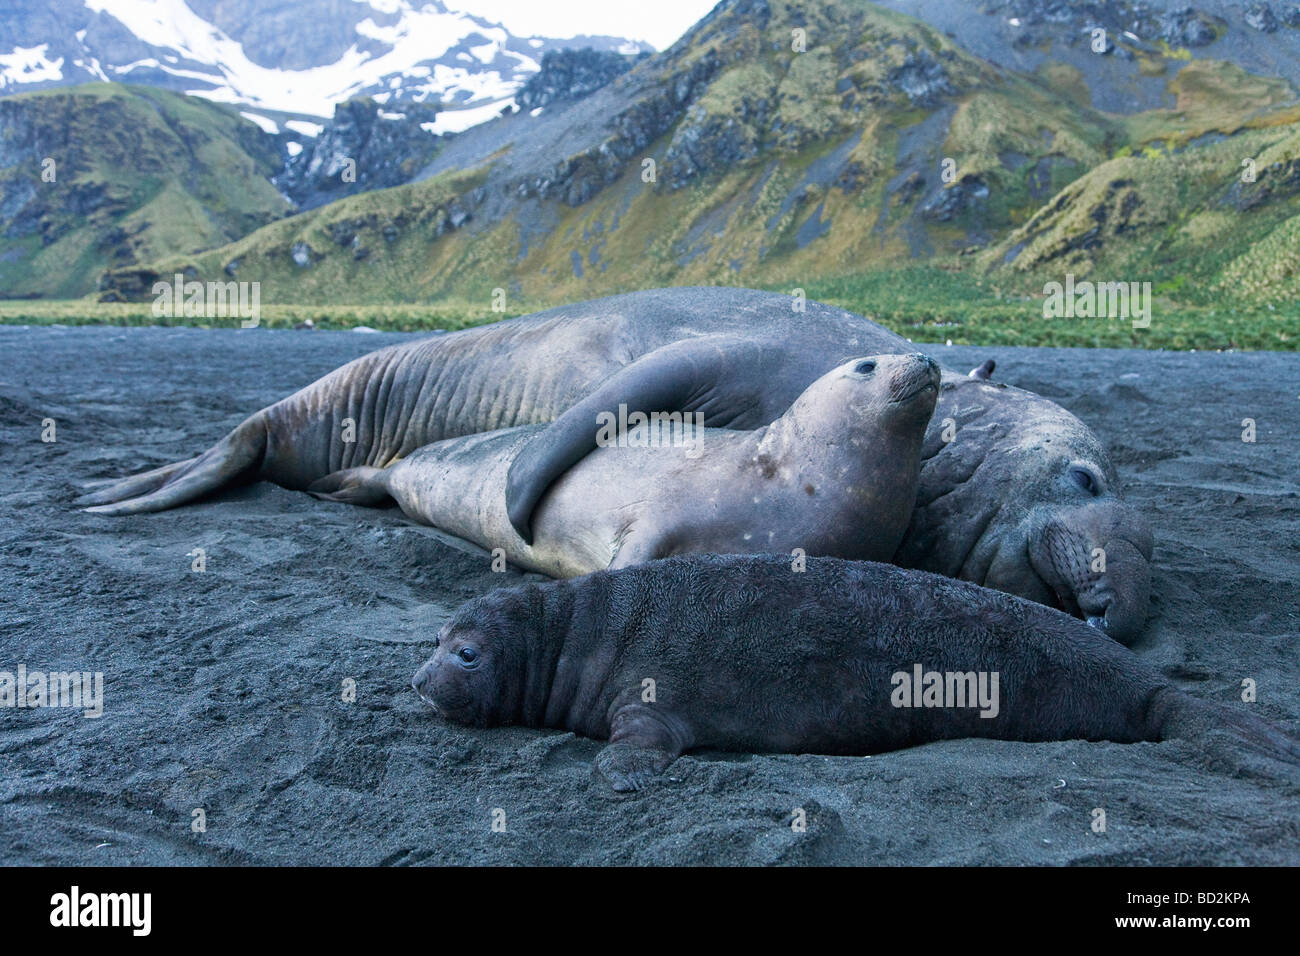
[[1023, 498], [743, 653], [836, 474]]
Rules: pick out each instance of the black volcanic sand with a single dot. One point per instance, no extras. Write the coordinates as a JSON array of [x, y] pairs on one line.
[[223, 688]]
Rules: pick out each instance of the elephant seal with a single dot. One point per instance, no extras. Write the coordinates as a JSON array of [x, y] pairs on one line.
[[836, 474], [742, 653], [1038, 496]]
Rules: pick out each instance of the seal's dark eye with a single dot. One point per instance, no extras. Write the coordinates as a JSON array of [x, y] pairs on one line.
[[468, 655], [865, 368], [1084, 479]]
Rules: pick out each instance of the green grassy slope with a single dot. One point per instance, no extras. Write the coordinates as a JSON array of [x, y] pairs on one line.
[[139, 173]]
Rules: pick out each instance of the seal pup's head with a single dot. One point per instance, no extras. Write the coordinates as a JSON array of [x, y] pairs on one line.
[[479, 672]]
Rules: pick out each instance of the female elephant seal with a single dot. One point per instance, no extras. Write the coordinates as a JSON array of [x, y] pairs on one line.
[[836, 474], [743, 653], [1016, 493]]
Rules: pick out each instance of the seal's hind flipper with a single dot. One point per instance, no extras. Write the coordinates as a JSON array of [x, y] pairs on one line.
[[1226, 733], [354, 486], [235, 457], [108, 490], [983, 372], [629, 767]]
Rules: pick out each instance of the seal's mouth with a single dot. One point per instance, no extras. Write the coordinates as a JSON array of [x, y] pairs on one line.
[[1065, 602], [914, 393], [415, 686], [1070, 606]]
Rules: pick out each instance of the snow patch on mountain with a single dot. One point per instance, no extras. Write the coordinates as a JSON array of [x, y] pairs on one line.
[[29, 65], [401, 50]]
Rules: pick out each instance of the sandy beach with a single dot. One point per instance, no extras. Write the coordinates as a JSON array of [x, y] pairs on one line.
[[224, 689]]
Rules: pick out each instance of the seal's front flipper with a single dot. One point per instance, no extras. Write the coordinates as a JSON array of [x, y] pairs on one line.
[[628, 767], [354, 486], [643, 741], [685, 376], [983, 372]]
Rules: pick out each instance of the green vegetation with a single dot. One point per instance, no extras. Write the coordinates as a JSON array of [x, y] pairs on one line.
[[386, 318], [924, 303], [138, 173], [1186, 221], [934, 305]]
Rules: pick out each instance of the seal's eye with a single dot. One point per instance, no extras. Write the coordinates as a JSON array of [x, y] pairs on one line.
[[468, 656], [1085, 480], [865, 368]]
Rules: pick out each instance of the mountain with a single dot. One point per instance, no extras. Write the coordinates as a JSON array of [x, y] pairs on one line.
[[364, 146], [729, 158], [386, 146], [281, 61], [782, 143], [106, 175], [1146, 43], [1182, 217], [322, 99], [573, 74]]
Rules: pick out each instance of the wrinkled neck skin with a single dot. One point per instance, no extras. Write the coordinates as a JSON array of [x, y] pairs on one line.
[[997, 506], [849, 447], [562, 665]]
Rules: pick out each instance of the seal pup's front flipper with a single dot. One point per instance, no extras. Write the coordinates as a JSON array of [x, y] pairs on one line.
[[642, 743], [354, 486], [694, 375]]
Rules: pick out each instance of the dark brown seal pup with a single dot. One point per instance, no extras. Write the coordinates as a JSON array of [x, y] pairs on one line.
[[1016, 493], [743, 653]]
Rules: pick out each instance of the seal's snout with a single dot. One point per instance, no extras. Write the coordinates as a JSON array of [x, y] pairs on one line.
[[916, 374], [422, 683]]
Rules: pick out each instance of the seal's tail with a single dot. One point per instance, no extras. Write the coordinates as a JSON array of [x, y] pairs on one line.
[[355, 486], [236, 456]]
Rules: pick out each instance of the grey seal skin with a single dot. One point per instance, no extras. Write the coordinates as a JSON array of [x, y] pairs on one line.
[[1023, 465], [746, 655], [836, 474]]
